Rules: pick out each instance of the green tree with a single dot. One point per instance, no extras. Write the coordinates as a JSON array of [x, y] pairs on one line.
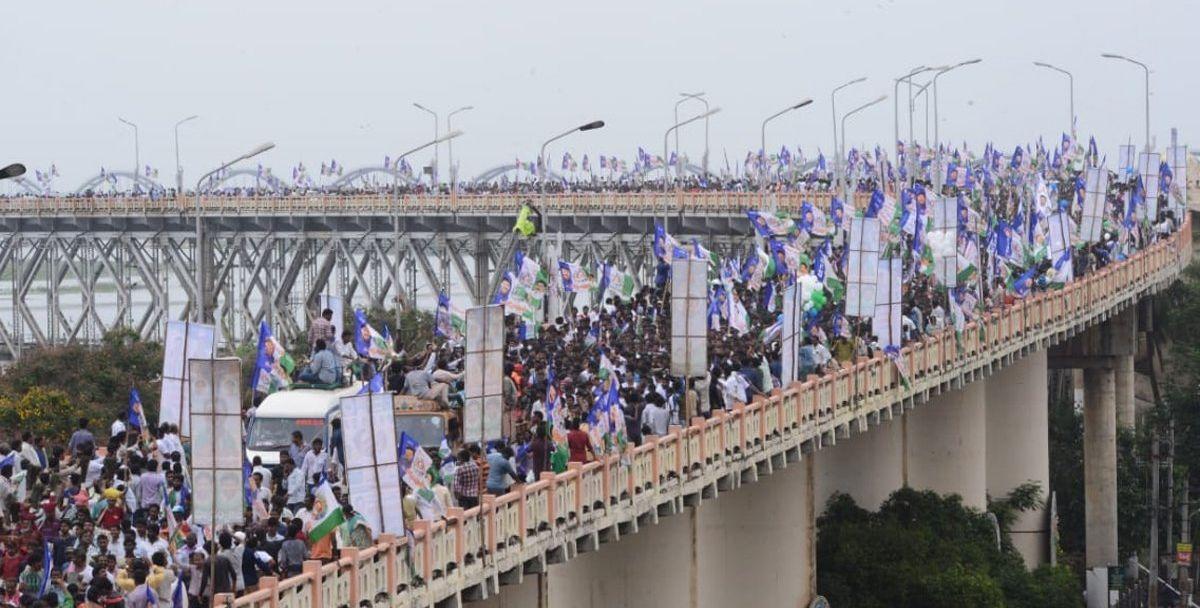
[[925, 550]]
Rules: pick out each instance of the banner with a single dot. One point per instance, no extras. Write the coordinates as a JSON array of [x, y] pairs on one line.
[[369, 437], [183, 341]]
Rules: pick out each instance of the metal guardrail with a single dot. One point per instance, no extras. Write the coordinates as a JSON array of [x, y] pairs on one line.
[[472, 550]]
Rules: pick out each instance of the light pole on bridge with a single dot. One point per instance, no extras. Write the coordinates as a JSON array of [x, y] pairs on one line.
[[667, 136], [847, 115], [936, 138], [13, 170], [698, 97], [200, 311], [1146, 69], [450, 147], [433, 175], [833, 107], [762, 168], [137, 154], [178, 167], [396, 211], [544, 169], [1070, 92]]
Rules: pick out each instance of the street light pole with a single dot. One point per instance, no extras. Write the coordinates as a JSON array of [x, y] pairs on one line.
[[881, 98], [936, 137], [1146, 69], [137, 160], [396, 214], [762, 169], [1070, 91], [666, 138], [178, 167], [545, 168], [200, 311], [433, 175], [450, 148], [833, 106], [698, 97], [912, 158]]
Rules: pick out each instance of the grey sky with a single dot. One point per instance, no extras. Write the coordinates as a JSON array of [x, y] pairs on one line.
[[337, 79]]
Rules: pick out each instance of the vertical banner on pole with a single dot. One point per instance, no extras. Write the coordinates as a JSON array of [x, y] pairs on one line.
[[943, 241], [184, 341], [1127, 162], [1148, 163], [689, 325], [215, 396], [335, 304], [885, 322], [1177, 188], [484, 408], [1095, 198], [372, 470], [792, 334], [861, 267]]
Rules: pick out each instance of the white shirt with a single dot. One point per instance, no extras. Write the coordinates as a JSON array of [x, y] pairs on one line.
[[266, 475], [657, 418], [314, 463], [735, 389], [118, 427], [295, 486]]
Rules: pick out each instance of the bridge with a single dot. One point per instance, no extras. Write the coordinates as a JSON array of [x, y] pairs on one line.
[[724, 509], [269, 258]]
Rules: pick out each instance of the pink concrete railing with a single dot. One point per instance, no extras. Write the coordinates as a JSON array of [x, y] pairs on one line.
[[472, 547], [699, 203]]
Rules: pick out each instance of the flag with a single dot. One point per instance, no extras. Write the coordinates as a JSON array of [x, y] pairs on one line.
[[666, 248], [771, 224], [373, 386], [326, 512], [368, 342], [1021, 285], [137, 419], [739, 319], [876, 205], [616, 282], [273, 366], [47, 552], [178, 597], [574, 277], [557, 420]]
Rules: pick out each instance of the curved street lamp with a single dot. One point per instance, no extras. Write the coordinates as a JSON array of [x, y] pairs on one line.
[[698, 97], [1145, 68], [137, 160], [544, 169], [847, 115], [450, 147], [200, 312], [178, 167], [833, 106], [13, 170], [666, 138], [1070, 91], [762, 170], [936, 137]]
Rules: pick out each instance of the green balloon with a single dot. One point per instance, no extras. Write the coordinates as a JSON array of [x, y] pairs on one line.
[[818, 300]]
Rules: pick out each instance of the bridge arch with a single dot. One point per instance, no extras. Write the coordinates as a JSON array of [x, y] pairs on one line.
[[499, 170], [362, 174], [115, 177], [265, 180]]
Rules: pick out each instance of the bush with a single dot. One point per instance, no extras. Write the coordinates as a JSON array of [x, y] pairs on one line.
[[924, 550], [48, 389]]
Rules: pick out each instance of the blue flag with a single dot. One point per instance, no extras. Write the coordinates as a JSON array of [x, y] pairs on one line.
[[875, 205], [136, 418], [406, 450]]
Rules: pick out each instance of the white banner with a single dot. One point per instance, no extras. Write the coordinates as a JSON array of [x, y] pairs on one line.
[[183, 341], [1095, 202], [861, 267], [885, 323], [689, 325], [215, 398], [484, 364], [372, 472]]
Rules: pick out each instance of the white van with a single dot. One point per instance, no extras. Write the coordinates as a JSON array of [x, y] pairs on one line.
[[307, 410]]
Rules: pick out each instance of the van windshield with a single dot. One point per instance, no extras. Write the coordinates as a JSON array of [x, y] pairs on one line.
[[275, 434]]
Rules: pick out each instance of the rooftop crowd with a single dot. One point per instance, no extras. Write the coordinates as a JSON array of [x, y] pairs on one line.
[[104, 518]]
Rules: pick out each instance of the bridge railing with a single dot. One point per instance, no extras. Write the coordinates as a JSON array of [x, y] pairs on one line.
[[471, 548], [639, 203]]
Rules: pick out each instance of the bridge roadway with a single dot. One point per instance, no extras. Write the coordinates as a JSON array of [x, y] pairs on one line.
[[756, 546], [720, 213]]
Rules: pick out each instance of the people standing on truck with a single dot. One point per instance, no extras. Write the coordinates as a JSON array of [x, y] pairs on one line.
[[349, 355], [297, 449], [321, 330]]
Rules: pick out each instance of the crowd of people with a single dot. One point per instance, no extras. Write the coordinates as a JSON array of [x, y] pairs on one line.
[[106, 517]]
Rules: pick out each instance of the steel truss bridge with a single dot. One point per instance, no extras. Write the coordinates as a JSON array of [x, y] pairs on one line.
[[73, 268]]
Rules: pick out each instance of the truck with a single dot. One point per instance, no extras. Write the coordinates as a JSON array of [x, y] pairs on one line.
[[313, 410]]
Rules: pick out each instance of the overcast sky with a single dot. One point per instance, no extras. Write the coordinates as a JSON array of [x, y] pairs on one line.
[[337, 79]]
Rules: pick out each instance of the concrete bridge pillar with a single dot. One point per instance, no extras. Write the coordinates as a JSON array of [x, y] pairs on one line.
[[945, 445], [867, 466], [1100, 466], [1124, 328], [1018, 448]]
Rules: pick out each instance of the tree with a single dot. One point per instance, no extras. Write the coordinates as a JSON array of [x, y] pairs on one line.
[[925, 550]]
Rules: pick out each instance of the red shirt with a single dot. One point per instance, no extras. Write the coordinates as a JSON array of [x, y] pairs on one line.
[[578, 442], [10, 566]]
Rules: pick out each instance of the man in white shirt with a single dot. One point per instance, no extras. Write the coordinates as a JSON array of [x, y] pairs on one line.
[[118, 426], [316, 461], [264, 471], [294, 479], [656, 418]]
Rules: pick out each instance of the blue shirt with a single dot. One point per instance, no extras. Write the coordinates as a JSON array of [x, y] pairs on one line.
[[498, 467]]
